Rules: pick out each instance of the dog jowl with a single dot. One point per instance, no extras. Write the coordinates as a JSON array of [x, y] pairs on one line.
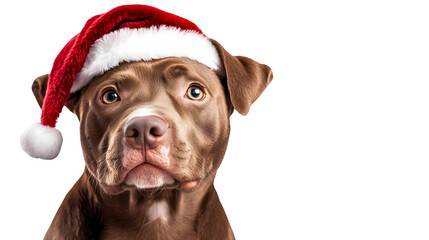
[[153, 98]]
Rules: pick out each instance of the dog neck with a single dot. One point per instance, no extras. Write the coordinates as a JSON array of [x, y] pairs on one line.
[[89, 213], [156, 212]]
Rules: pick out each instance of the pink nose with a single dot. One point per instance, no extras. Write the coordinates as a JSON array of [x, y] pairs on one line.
[[146, 131]]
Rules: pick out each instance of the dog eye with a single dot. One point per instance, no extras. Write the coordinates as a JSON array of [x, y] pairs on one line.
[[195, 93], [110, 97]]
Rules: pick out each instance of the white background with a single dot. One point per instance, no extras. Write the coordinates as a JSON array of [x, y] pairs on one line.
[[335, 148]]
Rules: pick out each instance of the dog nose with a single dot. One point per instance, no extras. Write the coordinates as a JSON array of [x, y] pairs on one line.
[[147, 131]]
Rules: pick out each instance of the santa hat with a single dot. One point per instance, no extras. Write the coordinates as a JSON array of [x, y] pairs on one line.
[[124, 34]]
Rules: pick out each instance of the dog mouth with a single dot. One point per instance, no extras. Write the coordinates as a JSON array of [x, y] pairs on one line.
[[145, 168], [148, 177]]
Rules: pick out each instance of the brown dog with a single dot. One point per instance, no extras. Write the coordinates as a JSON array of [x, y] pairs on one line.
[[153, 135]]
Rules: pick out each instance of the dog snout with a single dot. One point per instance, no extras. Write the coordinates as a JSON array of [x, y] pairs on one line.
[[147, 131]]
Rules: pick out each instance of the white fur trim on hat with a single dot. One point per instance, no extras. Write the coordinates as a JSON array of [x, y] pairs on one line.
[[41, 141], [127, 45]]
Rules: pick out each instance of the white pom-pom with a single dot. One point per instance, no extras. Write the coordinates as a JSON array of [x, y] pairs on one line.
[[41, 141]]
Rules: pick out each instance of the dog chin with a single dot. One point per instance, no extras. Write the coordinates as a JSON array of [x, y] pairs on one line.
[[148, 176]]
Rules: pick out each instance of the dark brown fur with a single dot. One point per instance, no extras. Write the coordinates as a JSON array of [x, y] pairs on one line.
[[100, 206]]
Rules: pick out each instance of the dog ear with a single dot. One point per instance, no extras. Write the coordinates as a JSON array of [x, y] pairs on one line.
[[245, 78], [39, 90]]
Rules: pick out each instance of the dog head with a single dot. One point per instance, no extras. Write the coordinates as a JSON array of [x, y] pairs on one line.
[[161, 123]]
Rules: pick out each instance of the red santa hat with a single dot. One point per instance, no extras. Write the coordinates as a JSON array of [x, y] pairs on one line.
[[124, 34]]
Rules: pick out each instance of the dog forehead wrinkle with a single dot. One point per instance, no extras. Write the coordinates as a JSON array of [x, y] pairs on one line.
[[120, 75], [186, 72], [174, 70]]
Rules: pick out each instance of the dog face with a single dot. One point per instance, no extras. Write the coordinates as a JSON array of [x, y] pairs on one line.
[[150, 124], [161, 123]]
